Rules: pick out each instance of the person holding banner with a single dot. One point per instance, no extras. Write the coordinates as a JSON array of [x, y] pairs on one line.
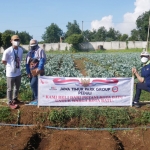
[[35, 61], [144, 78]]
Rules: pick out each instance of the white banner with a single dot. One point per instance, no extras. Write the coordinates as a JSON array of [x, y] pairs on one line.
[[66, 91]]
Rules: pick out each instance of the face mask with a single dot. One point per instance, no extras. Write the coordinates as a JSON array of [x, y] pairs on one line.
[[33, 47], [144, 59], [15, 43]]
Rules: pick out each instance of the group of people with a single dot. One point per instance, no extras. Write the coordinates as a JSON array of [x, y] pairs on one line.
[[35, 61]]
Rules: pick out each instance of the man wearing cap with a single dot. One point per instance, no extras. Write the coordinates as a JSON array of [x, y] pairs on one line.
[[144, 79], [35, 61], [12, 57]]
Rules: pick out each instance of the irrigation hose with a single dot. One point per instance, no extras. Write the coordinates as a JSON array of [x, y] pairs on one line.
[[94, 129], [60, 128], [15, 125]]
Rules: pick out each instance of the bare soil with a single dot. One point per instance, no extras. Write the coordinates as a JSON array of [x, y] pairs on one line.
[[40, 137]]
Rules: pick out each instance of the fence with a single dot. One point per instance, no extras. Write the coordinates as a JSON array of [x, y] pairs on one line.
[[90, 45]]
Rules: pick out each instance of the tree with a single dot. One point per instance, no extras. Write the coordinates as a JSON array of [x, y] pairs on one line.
[[87, 35], [124, 37], [24, 37], [134, 35], [6, 37], [113, 35], [72, 28], [101, 34], [142, 23], [9, 32], [52, 34], [1, 40], [75, 39], [93, 35]]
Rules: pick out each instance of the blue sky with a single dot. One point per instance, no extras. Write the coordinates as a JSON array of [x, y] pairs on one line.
[[33, 16]]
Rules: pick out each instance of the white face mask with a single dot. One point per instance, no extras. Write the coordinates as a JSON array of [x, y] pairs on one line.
[[15, 43], [144, 59]]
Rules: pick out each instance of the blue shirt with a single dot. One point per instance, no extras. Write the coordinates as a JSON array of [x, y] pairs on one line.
[[145, 72]]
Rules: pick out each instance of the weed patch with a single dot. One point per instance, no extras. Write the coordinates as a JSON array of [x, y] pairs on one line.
[[5, 114], [3, 88], [99, 117]]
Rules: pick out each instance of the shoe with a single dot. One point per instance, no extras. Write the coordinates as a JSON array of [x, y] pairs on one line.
[[35, 102], [136, 104], [16, 101], [12, 105]]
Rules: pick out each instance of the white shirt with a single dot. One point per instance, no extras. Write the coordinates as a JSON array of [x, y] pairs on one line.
[[9, 56]]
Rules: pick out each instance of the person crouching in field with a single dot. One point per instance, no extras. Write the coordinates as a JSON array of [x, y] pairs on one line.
[[35, 61], [12, 58], [144, 79]]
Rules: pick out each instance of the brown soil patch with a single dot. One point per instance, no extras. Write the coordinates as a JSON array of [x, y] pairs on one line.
[[41, 138], [79, 64]]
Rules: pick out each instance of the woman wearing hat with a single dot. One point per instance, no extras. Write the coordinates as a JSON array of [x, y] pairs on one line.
[[144, 78]]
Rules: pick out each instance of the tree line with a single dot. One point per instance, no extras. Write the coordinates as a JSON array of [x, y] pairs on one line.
[[74, 35]]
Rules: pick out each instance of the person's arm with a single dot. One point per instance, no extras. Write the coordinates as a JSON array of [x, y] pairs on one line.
[[21, 55], [27, 69], [4, 58], [42, 60], [134, 71], [27, 65], [41, 64]]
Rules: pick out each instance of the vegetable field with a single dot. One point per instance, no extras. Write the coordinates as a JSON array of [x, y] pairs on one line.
[[81, 65], [84, 128], [94, 65]]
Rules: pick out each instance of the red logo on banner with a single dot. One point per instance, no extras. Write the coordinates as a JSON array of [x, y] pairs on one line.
[[115, 89]]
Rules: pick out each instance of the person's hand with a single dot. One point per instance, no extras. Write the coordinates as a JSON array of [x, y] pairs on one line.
[[29, 76], [134, 70], [4, 62], [38, 71]]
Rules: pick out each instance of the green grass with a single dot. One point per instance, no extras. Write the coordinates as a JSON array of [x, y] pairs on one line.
[[145, 96], [120, 51], [83, 117], [25, 94], [3, 88], [5, 114], [99, 117]]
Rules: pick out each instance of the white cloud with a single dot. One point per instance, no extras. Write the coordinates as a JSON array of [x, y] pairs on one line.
[[105, 21], [129, 19]]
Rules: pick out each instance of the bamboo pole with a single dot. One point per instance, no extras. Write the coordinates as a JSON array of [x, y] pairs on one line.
[[148, 34]]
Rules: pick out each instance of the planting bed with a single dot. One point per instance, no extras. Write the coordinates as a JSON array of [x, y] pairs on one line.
[[28, 127], [41, 138]]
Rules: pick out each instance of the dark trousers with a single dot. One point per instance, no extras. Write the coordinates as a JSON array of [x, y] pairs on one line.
[[139, 88], [34, 87]]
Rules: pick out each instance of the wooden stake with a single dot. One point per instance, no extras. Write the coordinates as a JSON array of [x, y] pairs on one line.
[[148, 34]]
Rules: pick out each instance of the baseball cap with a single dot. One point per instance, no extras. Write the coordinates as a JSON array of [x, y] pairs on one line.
[[145, 53], [15, 37], [33, 42]]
